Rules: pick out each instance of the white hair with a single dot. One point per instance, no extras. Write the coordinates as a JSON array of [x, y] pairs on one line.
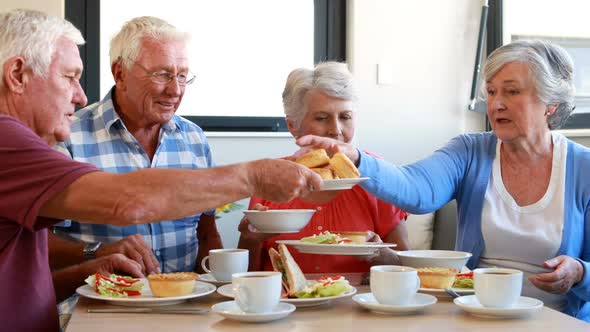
[[33, 35], [126, 44], [552, 72], [332, 78]]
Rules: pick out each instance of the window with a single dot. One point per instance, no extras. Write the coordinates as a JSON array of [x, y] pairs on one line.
[[241, 51], [557, 22]]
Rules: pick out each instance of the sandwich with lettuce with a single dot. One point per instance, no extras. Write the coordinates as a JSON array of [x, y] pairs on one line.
[[294, 283], [115, 285]]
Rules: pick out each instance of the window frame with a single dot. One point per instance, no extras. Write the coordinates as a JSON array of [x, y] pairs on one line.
[[329, 44], [495, 40]]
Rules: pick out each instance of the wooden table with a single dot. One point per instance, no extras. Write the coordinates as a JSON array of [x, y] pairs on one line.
[[340, 315]]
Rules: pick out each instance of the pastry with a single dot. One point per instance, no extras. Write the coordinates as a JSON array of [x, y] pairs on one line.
[[325, 173], [436, 277], [313, 159], [172, 284], [343, 167]]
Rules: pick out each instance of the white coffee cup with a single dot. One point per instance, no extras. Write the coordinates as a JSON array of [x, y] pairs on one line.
[[257, 292], [496, 287], [394, 285], [225, 262]]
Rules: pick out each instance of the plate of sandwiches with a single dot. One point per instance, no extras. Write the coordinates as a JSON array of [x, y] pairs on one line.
[[297, 290], [158, 290], [338, 172], [436, 280], [337, 243]]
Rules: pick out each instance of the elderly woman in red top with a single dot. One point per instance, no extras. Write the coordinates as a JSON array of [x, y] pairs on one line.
[[321, 102]]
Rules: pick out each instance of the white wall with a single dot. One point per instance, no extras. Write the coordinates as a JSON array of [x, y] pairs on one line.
[[53, 7]]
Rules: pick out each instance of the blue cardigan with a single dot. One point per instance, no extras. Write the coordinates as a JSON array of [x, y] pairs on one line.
[[461, 170]]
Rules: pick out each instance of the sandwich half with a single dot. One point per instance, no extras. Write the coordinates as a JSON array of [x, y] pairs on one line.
[[293, 279]]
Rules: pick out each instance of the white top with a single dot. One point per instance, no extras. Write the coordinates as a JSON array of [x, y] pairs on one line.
[[523, 237]]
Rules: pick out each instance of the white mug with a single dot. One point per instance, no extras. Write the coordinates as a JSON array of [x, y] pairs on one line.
[[496, 287], [394, 285], [257, 292], [225, 262]]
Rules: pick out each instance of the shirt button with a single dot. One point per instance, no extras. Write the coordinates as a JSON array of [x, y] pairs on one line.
[[317, 268], [157, 252], [319, 208], [320, 228]]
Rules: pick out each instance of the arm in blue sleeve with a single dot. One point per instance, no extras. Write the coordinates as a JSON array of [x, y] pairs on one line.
[[421, 187], [582, 288]]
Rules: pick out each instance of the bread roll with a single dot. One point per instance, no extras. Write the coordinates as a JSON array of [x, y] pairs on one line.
[[354, 237], [325, 173], [172, 284], [343, 167], [435, 277], [313, 159]]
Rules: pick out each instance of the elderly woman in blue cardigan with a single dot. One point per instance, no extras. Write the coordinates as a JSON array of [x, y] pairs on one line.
[[522, 190]]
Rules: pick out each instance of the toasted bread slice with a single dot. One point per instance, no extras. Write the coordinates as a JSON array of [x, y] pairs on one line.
[[354, 237], [295, 278], [325, 173], [343, 167], [313, 159]]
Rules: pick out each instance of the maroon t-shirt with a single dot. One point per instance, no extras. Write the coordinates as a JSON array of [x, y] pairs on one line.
[[31, 173]]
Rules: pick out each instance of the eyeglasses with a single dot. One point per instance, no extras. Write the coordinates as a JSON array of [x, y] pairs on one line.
[[164, 77]]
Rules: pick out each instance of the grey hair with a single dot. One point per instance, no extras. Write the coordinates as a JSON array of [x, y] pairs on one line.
[[33, 35], [332, 78], [552, 72], [126, 44]]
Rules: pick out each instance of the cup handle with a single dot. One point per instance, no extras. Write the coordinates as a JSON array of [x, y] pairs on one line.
[[417, 284], [203, 264], [241, 296]]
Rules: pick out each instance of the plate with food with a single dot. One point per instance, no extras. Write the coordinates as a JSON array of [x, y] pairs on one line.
[[297, 290], [338, 172], [156, 290], [337, 243], [435, 281]]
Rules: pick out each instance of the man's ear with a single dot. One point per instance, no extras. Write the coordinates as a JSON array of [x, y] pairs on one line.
[[119, 74], [293, 128], [15, 75]]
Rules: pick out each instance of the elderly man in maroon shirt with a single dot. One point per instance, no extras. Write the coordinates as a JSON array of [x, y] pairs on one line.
[[39, 88]]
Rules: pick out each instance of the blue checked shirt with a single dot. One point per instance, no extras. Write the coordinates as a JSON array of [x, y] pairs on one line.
[[99, 137]]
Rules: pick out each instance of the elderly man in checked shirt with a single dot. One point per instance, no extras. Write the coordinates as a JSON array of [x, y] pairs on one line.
[[133, 127]]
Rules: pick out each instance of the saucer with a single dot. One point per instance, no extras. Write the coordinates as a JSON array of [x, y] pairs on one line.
[[231, 310], [208, 277], [524, 306], [418, 302]]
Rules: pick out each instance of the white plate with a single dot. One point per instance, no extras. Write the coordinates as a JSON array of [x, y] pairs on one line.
[[336, 249], [208, 277], [226, 290], [231, 310], [441, 292], [524, 306], [341, 184], [418, 302], [146, 299]]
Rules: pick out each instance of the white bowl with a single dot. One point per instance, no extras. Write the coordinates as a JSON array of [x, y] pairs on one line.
[[279, 221], [434, 258]]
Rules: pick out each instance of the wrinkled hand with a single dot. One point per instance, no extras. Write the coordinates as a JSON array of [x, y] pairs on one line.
[[281, 180], [312, 142], [567, 272], [383, 256], [136, 249], [116, 263], [249, 232]]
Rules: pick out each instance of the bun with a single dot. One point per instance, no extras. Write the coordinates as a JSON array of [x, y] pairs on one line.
[[172, 284], [343, 167], [315, 158], [354, 237], [435, 277], [325, 173]]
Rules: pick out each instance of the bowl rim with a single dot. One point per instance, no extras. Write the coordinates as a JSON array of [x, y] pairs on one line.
[[408, 253]]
